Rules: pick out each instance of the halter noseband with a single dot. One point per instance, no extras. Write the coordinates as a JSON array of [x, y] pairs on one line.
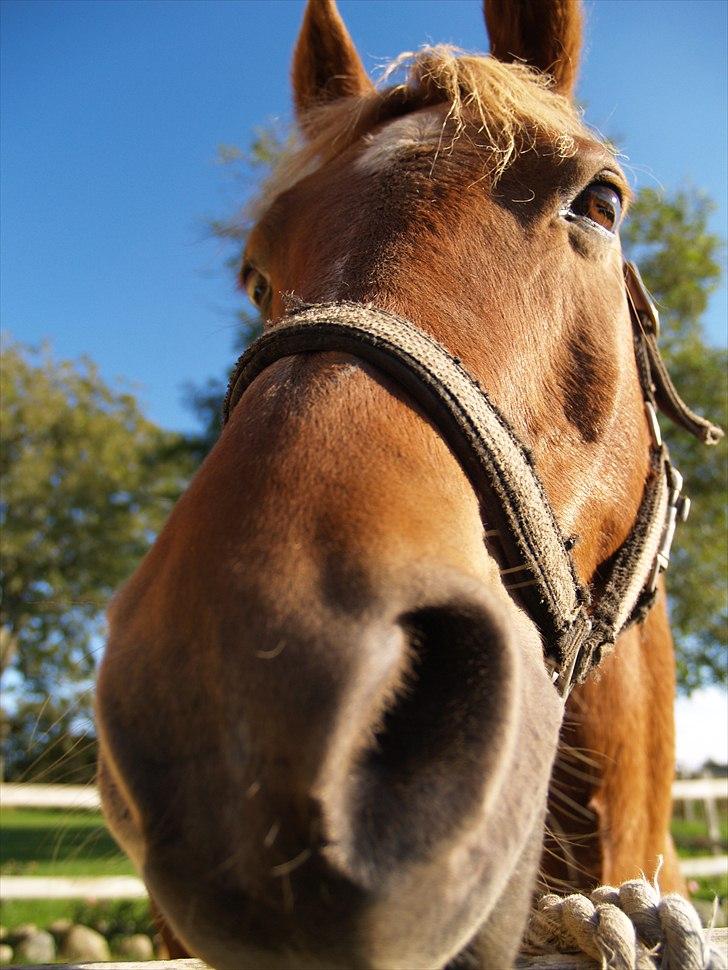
[[522, 529]]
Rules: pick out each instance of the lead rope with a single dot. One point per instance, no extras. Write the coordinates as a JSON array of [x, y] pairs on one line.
[[632, 927]]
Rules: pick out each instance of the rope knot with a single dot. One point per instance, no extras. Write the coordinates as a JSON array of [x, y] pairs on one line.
[[631, 927]]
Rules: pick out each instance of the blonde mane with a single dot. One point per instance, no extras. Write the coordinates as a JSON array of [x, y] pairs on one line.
[[509, 107]]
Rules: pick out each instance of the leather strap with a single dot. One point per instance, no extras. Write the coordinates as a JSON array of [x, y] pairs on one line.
[[520, 524], [518, 517], [658, 384]]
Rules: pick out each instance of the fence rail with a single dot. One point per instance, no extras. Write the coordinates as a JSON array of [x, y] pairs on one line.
[[84, 797], [707, 790], [147, 965], [698, 789], [87, 796], [129, 887], [719, 939], [705, 865], [72, 887]]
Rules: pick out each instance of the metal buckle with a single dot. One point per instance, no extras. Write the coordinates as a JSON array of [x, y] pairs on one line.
[[653, 423], [678, 509], [563, 679], [641, 299]]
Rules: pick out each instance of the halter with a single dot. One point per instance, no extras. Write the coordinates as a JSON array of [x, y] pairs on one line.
[[576, 628]]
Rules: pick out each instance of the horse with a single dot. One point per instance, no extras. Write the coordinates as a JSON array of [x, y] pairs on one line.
[[341, 723]]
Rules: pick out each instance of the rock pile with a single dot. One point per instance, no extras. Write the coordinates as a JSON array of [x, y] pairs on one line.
[[68, 941]]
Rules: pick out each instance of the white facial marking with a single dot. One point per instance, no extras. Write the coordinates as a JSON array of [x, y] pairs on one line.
[[399, 137]]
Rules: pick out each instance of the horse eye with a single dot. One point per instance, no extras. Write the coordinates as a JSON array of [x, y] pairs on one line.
[[601, 203], [257, 286]]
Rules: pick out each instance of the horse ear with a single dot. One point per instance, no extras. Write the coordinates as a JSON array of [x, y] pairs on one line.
[[326, 65], [546, 34]]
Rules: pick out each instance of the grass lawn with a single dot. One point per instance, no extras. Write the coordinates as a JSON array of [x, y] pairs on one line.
[[691, 835], [45, 842], [42, 842], [711, 886], [42, 912], [134, 914]]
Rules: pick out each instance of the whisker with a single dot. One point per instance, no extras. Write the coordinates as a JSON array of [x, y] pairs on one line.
[[530, 582], [562, 797], [563, 765], [286, 868], [580, 754], [271, 654], [43, 706], [513, 569], [568, 859], [54, 764], [73, 771], [229, 863], [565, 847], [272, 834], [26, 774]]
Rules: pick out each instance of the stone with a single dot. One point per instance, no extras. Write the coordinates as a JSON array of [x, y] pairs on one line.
[[22, 930], [6, 953], [136, 947], [83, 943], [3, 933], [59, 928], [38, 947]]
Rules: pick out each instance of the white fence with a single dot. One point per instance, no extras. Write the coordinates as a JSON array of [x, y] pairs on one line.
[[87, 796], [709, 791], [49, 796], [72, 887]]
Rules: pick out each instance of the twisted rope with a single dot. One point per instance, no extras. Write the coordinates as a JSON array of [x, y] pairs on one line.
[[632, 927]]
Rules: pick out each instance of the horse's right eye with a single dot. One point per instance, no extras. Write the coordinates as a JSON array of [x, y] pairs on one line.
[[601, 203], [257, 286]]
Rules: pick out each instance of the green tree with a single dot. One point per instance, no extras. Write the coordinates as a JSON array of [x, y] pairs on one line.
[[86, 481], [680, 260]]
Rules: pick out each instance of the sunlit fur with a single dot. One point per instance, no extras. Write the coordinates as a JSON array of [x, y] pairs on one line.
[[327, 733], [507, 108]]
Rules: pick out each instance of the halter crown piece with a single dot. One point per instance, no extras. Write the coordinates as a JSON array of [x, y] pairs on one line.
[[576, 628]]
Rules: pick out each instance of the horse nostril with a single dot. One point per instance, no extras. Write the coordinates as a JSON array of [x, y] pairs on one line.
[[434, 753], [454, 661]]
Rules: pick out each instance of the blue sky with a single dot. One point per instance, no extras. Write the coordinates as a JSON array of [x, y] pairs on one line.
[[111, 117]]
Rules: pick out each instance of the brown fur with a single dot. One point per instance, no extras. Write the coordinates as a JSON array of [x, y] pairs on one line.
[[543, 33], [326, 65], [327, 731]]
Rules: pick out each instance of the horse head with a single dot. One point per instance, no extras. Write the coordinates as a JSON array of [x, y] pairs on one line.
[[326, 723]]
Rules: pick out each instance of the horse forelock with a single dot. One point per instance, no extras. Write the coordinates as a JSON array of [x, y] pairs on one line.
[[511, 107]]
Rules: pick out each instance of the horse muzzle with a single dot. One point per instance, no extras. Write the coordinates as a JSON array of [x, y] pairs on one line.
[[365, 816]]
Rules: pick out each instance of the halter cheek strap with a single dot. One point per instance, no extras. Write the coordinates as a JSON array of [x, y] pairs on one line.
[[521, 525]]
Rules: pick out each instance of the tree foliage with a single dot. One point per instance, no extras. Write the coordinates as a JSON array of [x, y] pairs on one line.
[[680, 260], [87, 481]]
